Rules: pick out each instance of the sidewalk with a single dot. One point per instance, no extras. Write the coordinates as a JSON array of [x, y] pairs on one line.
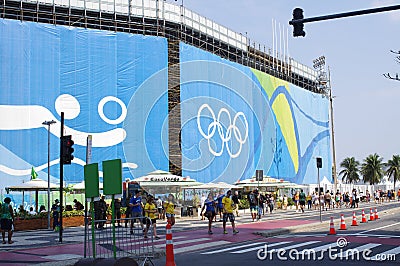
[[42, 247]]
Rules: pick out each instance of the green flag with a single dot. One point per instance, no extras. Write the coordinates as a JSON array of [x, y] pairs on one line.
[[33, 174]]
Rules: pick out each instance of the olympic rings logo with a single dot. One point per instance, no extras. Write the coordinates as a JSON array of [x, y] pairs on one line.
[[225, 138]]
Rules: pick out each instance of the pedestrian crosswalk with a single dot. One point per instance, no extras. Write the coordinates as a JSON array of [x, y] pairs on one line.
[[376, 251]]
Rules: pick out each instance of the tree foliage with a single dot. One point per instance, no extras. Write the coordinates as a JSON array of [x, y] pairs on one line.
[[393, 169], [350, 171], [372, 169]]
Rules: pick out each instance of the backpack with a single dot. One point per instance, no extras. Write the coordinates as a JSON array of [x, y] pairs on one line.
[[253, 200]]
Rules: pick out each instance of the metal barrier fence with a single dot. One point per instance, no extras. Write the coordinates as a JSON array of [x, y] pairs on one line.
[[126, 239]]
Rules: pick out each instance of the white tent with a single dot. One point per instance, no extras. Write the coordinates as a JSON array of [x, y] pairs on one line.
[[33, 185], [219, 185], [161, 178], [81, 186], [36, 185]]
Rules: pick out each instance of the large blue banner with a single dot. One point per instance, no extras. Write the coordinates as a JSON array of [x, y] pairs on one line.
[[99, 79], [236, 119]]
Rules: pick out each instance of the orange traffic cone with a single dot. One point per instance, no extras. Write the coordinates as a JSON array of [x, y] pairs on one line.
[[376, 214], [354, 222], [169, 252], [371, 215], [364, 217], [342, 223], [332, 228]]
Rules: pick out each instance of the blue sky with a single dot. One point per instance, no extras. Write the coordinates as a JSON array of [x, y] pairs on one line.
[[357, 50]]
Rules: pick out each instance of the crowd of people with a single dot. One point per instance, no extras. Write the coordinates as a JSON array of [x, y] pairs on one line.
[[143, 211], [330, 200]]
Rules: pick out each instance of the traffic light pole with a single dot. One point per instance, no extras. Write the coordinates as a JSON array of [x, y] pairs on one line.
[[343, 15], [61, 175]]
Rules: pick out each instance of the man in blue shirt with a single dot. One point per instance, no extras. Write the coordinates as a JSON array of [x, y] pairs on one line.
[[219, 204], [137, 209], [209, 205]]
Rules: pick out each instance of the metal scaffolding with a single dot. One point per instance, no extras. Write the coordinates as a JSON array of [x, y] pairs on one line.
[[175, 23]]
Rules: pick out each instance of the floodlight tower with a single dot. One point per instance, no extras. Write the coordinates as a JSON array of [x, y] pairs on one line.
[[324, 86]]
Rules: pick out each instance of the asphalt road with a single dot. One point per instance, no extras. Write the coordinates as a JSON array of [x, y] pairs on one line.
[[372, 243]]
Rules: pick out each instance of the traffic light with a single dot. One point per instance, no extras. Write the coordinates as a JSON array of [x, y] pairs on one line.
[[67, 149], [319, 162], [298, 27]]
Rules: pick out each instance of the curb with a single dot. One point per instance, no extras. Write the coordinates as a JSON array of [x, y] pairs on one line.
[[311, 226], [158, 253]]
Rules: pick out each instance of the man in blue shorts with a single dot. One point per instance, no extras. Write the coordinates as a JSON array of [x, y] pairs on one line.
[[228, 205], [137, 209], [252, 198]]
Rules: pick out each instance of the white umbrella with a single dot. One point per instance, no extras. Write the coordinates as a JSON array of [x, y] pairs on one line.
[[36, 185], [203, 186], [81, 186], [219, 185], [33, 185], [223, 185]]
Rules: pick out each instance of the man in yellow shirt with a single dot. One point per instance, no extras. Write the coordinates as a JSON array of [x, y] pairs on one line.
[[169, 207], [150, 211], [227, 205]]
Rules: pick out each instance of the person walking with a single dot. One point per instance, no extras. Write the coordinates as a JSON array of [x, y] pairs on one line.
[[327, 200], [117, 209], [202, 200], [219, 204], [353, 197], [338, 199], [128, 212], [209, 205], [285, 202], [137, 209], [261, 200], [227, 205], [235, 199], [251, 197], [169, 206], [309, 201], [55, 208], [150, 211], [302, 200], [297, 200], [159, 207], [102, 211], [6, 220]]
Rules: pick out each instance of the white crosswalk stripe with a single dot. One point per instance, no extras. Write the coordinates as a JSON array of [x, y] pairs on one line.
[[259, 247], [324, 247], [200, 246], [353, 251], [356, 251], [387, 255], [232, 248], [297, 245], [188, 241]]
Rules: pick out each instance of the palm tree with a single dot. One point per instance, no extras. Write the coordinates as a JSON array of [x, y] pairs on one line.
[[372, 169], [350, 170], [393, 169]]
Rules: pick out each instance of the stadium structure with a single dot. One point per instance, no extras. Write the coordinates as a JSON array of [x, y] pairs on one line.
[[157, 85]]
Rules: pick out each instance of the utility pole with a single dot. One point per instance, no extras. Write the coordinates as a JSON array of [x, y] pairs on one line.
[[61, 175], [48, 123], [333, 131]]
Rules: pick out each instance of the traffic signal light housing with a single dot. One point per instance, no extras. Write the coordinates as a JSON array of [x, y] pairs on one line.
[[67, 149], [298, 27]]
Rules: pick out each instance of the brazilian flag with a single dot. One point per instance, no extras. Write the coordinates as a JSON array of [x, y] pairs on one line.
[[34, 175]]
